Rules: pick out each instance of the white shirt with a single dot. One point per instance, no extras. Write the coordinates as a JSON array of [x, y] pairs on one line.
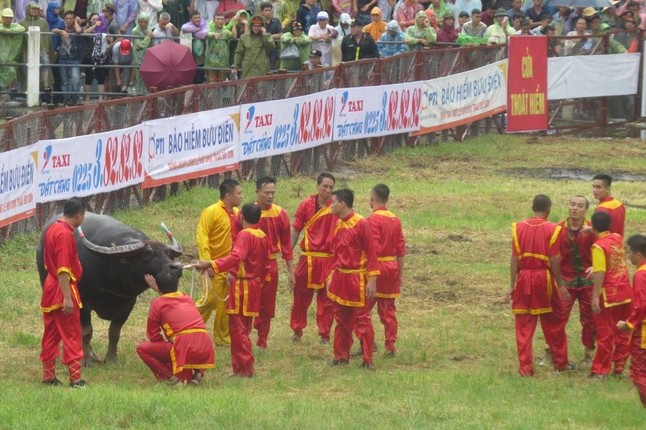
[[325, 47], [150, 8]]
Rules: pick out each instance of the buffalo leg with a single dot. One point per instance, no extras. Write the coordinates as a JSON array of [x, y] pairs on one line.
[[114, 333], [89, 357]]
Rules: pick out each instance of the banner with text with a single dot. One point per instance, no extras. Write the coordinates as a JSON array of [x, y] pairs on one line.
[[18, 184], [463, 98], [191, 146], [85, 165], [376, 111], [288, 125], [527, 87]]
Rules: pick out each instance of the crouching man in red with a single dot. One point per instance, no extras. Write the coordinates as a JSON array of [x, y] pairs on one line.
[[60, 301], [353, 278], [636, 253], [249, 264], [611, 282], [187, 350]]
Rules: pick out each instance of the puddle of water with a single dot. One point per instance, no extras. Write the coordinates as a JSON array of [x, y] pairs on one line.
[[577, 174]]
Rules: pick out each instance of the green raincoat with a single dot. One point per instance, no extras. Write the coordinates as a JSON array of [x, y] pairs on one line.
[[217, 50], [10, 49], [416, 32], [252, 54], [303, 43], [139, 47]]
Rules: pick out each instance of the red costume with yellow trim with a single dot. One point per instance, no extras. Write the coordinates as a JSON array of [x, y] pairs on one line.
[[617, 212], [535, 241], [637, 323], [249, 263], [216, 231], [317, 224], [274, 222], [576, 258], [60, 256], [388, 237], [355, 259], [608, 256], [185, 345]]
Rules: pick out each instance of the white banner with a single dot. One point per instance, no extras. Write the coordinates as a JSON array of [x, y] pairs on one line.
[[92, 164], [463, 98], [377, 111], [18, 175], [191, 146], [289, 125], [592, 76]]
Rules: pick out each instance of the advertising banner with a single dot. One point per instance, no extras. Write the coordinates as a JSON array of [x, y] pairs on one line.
[[377, 111], [527, 87], [191, 146], [288, 125], [592, 76], [18, 184], [463, 98], [86, 165]]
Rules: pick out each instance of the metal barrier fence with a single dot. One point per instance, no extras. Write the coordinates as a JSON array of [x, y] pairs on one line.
[[119, 113]]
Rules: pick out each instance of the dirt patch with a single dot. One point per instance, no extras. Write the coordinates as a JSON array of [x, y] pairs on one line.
[[458, 238], [567, 174]]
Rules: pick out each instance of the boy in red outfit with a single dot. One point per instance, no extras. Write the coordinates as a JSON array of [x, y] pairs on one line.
[[636, 253], [352, 283], [185, 350], [60, 302], [249, 264], [611, 283]]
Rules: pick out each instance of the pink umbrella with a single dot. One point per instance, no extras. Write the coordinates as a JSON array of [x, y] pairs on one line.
[[167, 65]]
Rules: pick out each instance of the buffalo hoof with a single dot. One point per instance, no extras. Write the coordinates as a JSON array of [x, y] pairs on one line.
[[91, 359]]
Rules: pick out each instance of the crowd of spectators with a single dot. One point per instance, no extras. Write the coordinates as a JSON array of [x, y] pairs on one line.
[[233, 39]]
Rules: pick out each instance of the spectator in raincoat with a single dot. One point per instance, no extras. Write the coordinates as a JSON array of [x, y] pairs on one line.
[[500, 29], [197, 28], [10, 48], [295, 36], [139, 46], [252, 52], [377, 25], [392, 41], [448, 33], [34, 19], [217, 49], [343, 29], [421, 34]]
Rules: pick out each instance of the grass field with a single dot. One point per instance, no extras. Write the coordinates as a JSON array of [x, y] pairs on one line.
[[456, 363]]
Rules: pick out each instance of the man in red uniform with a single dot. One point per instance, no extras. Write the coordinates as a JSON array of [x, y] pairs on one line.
[[352, 282], [601, 190], [60, 301], [576, 258], [249, 264], [388, 237], [611, 280], [314, 218], [534, 275], [274, 222], [185, 350], [636, 322]]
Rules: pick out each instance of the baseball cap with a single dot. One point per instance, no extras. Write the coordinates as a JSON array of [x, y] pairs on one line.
[[322, 15], [125, 48], [316, 53]]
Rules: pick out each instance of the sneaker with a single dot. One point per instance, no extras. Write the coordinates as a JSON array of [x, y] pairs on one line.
[[78, 384], [366, 366], [340, 362], [54, 382]]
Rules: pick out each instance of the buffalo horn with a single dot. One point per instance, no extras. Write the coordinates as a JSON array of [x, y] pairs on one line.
[[111, 250], [175, 246]]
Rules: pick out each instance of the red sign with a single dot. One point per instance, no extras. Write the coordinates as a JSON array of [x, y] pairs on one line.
[[527, 84]]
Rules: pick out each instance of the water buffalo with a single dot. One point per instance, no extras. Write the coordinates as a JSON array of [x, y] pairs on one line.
[[115, 257]]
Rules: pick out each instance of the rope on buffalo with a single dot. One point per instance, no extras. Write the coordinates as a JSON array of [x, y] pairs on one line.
[[205, 286]]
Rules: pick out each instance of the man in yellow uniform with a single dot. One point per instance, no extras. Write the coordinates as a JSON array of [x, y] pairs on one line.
[[216, 232]]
